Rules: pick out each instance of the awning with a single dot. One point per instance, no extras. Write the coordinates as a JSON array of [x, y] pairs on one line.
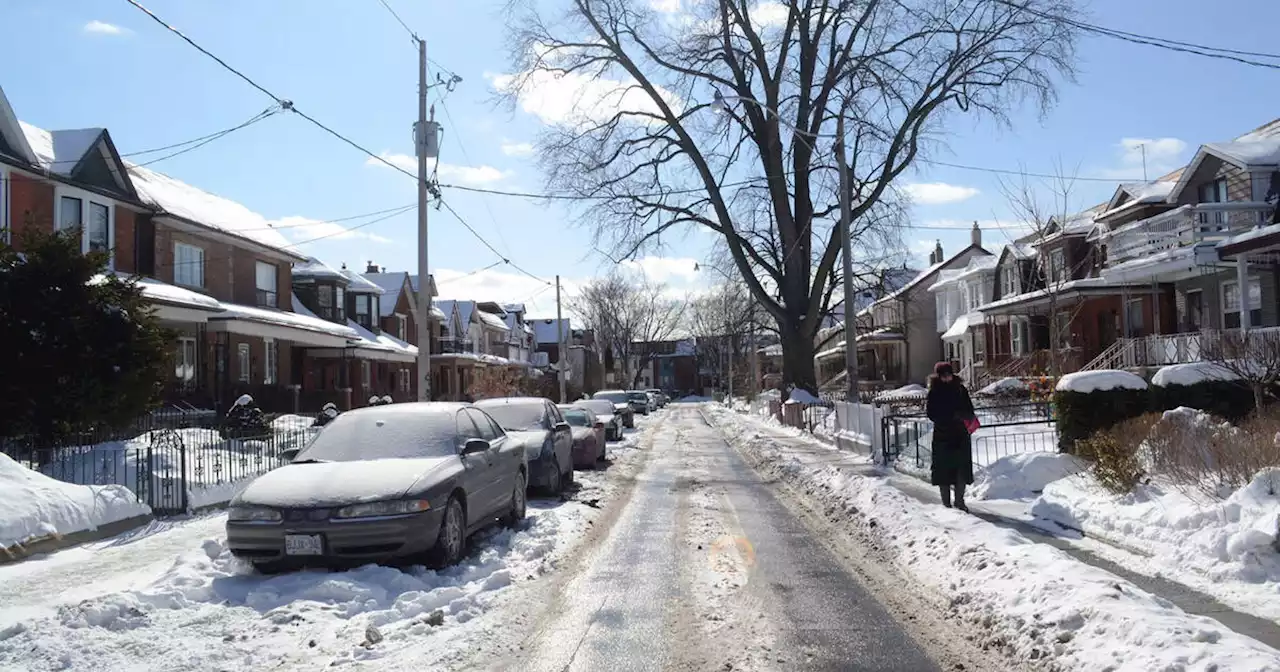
[[171, 303], [961, 326], [837, 351], [269, 323]]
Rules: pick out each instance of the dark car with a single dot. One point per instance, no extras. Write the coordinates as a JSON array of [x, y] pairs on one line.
[[659, 396], [640, 401], [588, 436], [621, 405], [538, 426], [403, 481], [605, 412]]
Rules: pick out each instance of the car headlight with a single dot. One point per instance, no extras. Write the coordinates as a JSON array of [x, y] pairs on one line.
[[253, 514], [390, 508]]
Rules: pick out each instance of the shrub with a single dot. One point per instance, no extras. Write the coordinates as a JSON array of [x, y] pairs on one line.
[[1115, 453], [1224, 398], [1205, 456], [1080, 415]]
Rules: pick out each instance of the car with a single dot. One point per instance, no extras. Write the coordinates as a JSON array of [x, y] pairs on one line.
[[659, 397], [640, 401], [655, 399], [588, 436], [621, 404], [386, 483], [604, 412], [539, 426]]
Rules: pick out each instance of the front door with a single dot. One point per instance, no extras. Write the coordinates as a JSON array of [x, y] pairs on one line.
[[1106, 329]]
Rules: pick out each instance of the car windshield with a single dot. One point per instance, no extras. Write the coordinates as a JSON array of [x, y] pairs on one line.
[[638, 396], [515, 416], [598, 406], [615, 397], [577, 418], [385, 433]]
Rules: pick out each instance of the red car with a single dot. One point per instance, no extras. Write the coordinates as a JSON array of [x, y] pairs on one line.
[[588, 436]]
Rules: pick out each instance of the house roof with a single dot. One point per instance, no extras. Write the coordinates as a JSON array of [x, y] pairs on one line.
[[392, 284], [358, 284], [977, 265], [492, 320], [513, 307], [924, 275], [60, 152], [463, 308], [162, 292], [544, 330], [382, 341], [1259, 148], [300, 318], [314, 268]]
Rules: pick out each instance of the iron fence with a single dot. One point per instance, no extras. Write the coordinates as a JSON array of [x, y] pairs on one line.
[[1005, 430]]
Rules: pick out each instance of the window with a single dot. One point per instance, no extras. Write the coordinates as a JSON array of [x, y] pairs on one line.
[[70, 213], [363, 314], [1017, 330], [99, 233], [403, 380], [402, 327], [188, 265], [184, 368], [1009, 285], [1213, 192], [1133, 314], [266, 279], [324, 297], [1194, 318], [365, 374], [487, 430], [1231, 303], [1058, 265], [339, 303], [269, 362], [979, 345], [242, 352]]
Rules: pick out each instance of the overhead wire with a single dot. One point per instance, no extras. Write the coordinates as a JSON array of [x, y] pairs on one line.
[[404, 25], [467, 157], [505, 260]]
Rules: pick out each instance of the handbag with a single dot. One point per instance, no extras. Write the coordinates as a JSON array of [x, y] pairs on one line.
[[972, 424]]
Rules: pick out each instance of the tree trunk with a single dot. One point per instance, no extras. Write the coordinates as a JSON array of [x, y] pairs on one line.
[[797, 358]]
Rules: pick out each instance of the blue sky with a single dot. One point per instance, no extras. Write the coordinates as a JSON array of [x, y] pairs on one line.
[[347, 63]]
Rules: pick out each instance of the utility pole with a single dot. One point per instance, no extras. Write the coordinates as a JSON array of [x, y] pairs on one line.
[[753, 388], [424, 138], [562, 351], [850, 329]]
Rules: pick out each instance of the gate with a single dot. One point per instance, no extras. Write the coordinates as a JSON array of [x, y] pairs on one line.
[[162, 477], [1006, 430]]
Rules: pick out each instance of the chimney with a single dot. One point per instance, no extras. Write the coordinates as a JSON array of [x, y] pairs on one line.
[[371, 267], [937, 253], [975, 236]]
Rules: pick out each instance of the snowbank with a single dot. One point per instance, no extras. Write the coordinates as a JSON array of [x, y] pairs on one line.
[[1103, 379], [1190, 374], [1037, 603], [693, 399], [33, 506], [292, 423], [1023, 476], [909, 392], [1226, 548], [1004, 385], [802, 396]]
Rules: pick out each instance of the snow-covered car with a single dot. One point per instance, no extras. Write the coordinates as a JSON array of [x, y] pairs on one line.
[[604, 412], [403, 481], [621, 405], [538, 426], [660, 398], [588, 436], [640, 401]]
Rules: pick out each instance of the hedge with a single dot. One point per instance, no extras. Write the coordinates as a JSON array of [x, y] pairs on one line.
[[1228, 399], [1080, 414]]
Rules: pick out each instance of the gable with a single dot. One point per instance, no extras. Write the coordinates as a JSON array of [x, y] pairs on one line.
[[101, 167], [12, 140]]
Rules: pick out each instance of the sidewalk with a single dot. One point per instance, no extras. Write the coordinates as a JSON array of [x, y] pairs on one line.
[[817, 451]]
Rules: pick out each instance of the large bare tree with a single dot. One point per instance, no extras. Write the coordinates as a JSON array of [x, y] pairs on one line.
[[722, 116], [719, 321], [627, 314]]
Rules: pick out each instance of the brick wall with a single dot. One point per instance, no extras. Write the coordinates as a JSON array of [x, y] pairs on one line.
[[31, 206], [126, 224]]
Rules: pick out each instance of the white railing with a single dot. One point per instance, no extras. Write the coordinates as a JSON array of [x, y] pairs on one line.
[[1112, 357], [1163, 349], [1185, 226]]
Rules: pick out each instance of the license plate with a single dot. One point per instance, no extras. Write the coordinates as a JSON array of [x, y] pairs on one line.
[[303, 544]]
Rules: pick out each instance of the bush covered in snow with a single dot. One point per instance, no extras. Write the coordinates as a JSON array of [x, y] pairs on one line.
[[1091, 401], [1203, 455], [1023, 475], [1201, 385], [1113, 452]]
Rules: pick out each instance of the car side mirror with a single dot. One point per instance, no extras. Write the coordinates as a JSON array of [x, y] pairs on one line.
[[561, 426], [289, 453], [599, 425], [475, 446]]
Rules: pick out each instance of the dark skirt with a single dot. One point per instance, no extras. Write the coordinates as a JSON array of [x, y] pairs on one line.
[[952, 457]]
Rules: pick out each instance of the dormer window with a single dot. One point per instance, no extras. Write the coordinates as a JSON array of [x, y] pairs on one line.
[[81, 212], [365, 305], [324, 299]]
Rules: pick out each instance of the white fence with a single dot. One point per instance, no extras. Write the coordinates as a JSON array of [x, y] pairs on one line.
[[858, 428]]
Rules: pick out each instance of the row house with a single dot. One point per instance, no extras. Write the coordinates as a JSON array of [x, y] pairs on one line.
[[476, 335], [957, 296], [587, 365]]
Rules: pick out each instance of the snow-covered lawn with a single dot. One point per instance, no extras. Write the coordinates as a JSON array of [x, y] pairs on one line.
[[209, 611], [34, 506], [1032, 600]]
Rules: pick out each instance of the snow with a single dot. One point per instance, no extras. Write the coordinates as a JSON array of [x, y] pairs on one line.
[[35, 506], [771, 351], [314, 268], [802, 396], [357, 284], [909, 392], [339, 483], [162, 292], [1038, 603], [416, 430], [492, 320], [1260, 152], [1003, 385], [1024, 475], [291, 423], [196, 205], [391, 284], [60, 151], [693, 399], [961, 326], [382, 341], [1257, 232], [1102, 379], [301, 318], [1190, 374], [464, 309]]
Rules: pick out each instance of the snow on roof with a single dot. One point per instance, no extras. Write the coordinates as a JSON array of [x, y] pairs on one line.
[[60, 151], [1083, 283], [464, 308], [301, 318], [977, 265], [772, 350], [381, 341], [1190, 374], [190, 203], [493, 320], [162, 292], [1021, 250], [1258, 232], [314, 268], [357, 284], [881, 334], [961, 326], [391, 284], [835, 350], [545, 331], [1100, 380], [1143, 193], [513, 307], [1249, 153], [945, 277], [437, 313]]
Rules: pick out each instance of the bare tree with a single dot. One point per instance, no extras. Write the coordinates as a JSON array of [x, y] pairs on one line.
[[718, 321], [627, 314], [723, 117], [1251, 357]]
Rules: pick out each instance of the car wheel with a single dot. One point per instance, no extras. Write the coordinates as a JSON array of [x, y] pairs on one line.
[[451, 541], [556, 486], [568, 476], [518, 503]]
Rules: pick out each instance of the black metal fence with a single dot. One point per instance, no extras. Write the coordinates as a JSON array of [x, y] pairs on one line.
[[173, 461], [1005, 430]]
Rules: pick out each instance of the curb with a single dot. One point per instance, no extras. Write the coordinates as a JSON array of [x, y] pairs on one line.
[[59, 542]]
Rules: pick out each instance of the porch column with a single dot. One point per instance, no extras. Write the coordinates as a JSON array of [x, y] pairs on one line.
[[1242, 285]]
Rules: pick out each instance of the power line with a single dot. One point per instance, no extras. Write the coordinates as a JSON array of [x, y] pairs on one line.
[[404, 25], [486, 243], [467, 275], [467, 157], [203, 140], [208, 139]]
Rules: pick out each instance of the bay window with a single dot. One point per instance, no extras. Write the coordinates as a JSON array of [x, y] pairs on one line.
[[81, 211]]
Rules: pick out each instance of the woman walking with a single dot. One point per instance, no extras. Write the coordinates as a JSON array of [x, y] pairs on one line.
[[950, 409]]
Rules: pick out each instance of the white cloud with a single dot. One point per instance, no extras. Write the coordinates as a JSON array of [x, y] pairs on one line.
[[665, 6], [517, 148], [936, 193], [769, 14], [1162, 155], [468, 175], [665, 269], [305, 229], [97, 27], [576, 99], [504, 287]]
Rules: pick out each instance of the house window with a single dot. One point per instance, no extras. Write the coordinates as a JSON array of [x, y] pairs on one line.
[[1133, 314], [99, 233], [366, 374], [1231, 303], [979, 345], [324, 298], [402, 327], [269, 361], [1017, 330], [339, 303], [266, 279], [184, 368], [188, 265], [70, 213], [363, 316], [1058, 265], [1009, 281], [1195, 310], [1213, 192], [242, 353]]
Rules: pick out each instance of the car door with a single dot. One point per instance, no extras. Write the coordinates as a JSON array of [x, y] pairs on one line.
[[477, 472], [563, 438], [498, 479], [510, 456]]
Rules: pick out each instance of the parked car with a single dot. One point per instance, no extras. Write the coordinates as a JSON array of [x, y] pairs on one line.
[[621, 404], [604, 412], [384, 483], [588, 436], [658, 396], [538, 426], [640, 401]]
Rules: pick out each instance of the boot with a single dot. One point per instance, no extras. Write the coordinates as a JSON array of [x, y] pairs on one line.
[[960, 498], [945, 491]]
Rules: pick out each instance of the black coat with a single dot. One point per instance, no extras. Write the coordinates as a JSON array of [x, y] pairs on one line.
[[948, 406]]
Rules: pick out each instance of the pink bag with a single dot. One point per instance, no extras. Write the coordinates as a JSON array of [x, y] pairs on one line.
[[972, 425]]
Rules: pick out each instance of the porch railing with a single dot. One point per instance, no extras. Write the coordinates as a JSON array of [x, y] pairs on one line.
[[1165, 349], [1185, 226]]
